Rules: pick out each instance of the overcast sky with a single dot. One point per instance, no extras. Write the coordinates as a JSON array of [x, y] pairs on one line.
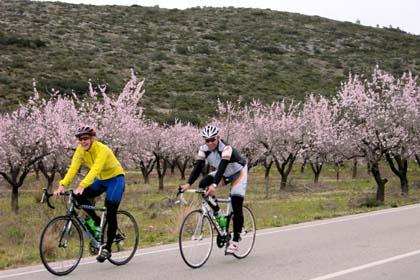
[[404, 14]]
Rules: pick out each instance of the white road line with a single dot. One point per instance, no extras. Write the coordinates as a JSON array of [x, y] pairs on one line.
[[89, 261], [366, 266], [265, 232], [338, 220]]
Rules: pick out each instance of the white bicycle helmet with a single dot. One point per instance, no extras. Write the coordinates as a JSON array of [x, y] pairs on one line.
[[210, 131]]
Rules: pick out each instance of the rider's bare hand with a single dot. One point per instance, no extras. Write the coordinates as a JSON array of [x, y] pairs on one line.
[[79, 190], [59, 190], [185, 187], [211, 190]]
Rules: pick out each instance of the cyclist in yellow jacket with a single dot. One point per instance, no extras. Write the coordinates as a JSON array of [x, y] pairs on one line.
[[105, 175]]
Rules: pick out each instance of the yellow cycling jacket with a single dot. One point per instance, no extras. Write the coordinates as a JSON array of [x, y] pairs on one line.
[[99, 159]]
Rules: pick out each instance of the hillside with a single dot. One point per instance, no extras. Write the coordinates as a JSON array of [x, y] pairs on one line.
[[188, 57]]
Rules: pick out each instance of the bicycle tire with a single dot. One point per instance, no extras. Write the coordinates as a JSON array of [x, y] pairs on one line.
[[247, 234], [127, 239], [61, 245], [196, 239]]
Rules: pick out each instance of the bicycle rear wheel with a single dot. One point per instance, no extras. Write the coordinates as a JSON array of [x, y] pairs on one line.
[[126, 240], [196, 239], [61, 245], [247, 234]]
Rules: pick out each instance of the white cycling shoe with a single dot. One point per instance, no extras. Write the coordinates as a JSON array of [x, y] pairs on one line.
[[233, 247]]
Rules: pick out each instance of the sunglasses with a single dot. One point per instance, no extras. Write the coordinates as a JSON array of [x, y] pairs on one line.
[[84, 138], [210, 140]]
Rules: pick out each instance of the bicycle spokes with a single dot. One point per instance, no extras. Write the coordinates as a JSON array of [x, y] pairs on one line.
[[247, 235], [196, 239], [61, 245]]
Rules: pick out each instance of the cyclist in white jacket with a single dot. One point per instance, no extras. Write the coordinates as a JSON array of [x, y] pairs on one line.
[[231, 169]]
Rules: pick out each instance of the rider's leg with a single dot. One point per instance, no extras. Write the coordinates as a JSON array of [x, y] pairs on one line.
[[237, 198], [114, 193], [86, 197], [111, 217], [204, 183], [238, 217]]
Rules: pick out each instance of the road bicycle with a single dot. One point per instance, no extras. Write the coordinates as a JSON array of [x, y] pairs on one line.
[[196, 233], [61, 244]]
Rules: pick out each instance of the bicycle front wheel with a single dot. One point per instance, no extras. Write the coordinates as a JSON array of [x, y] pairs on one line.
[[126, 239], [247, 234], [61, 245], [196, 239]]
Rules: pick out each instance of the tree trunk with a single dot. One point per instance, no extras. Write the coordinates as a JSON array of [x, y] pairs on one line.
[[172, 166], [50, 181], [400, 170], [266, 186], [48, 174], [302, 167], [316, 168], [417, 159], [182, 166], [267, 166], [283, 181], [284, 169], [36, 173], [15, 199], [354, 169], [251, 164], [15, 180], [380, 183], [161, 183], [161, 167], [337, 171], [404, 185], [146, 178], [146, 169]]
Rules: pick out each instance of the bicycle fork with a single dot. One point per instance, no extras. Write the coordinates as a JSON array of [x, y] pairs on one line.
[[62, 243]]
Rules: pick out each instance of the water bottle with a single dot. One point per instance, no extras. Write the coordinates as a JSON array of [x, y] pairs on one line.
[[221, 220], [90, 224]]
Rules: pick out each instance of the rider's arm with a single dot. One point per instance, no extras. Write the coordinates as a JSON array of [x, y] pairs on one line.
[[96, 167], [74, 167], [226, 155], [198, 166]]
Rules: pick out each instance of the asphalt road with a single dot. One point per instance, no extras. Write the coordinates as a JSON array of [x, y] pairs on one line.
[[378, 245]]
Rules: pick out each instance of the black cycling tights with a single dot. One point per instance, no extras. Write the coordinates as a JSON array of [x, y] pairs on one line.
[[238, 216], [237, 203], [111, 214]]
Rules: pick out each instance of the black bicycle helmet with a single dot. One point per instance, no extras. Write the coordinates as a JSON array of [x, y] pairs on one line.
[[85, 130]]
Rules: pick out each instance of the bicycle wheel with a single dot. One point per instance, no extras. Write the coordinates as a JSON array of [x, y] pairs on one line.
[[195, 239], [61, 245], [247, 234], [126, 240]]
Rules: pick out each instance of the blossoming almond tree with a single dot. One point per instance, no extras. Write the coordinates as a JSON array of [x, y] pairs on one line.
[[371, 112], [59, 118], [279, 129], [185, 139], [404, 94], [21, 146], [113, 116], [318, 133], [140, 155], [234, 122]]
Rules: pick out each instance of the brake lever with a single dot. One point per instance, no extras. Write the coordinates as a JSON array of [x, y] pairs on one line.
[[180, 197], [46, 198]]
